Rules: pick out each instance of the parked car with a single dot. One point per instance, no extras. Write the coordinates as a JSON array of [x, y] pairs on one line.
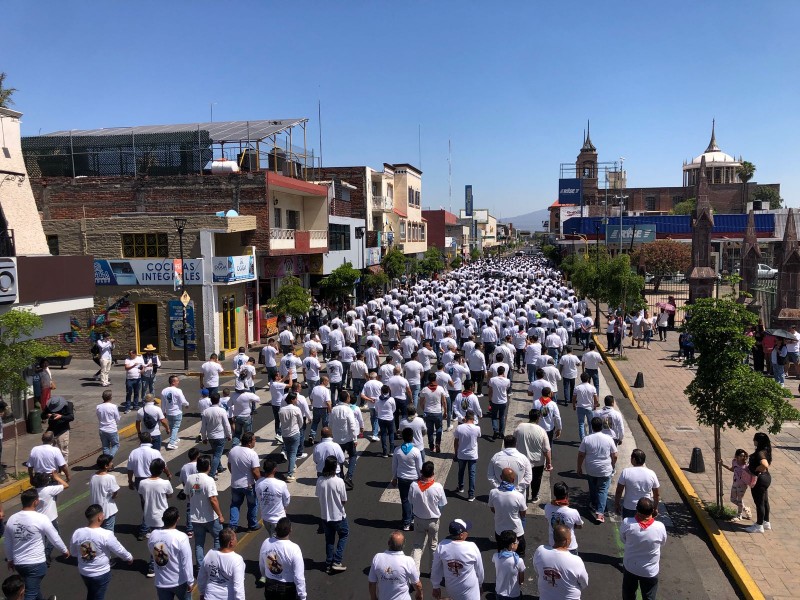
[[766, 272]]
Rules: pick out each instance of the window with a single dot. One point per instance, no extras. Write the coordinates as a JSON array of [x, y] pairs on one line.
[[145, 245], [338, 237], [650, 203], [376, 191], [422, 232], [417, 198], [344, 194], [402, 230], [52, 244], [277, 218], [293, 219], [676, 200], [410, 195]]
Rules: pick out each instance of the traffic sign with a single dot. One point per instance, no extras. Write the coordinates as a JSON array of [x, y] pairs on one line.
[[185, 299]]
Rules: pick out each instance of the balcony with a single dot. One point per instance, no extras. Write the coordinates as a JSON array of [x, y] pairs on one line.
[[281, 239], [290, 241], [318, 238], [382, 203]]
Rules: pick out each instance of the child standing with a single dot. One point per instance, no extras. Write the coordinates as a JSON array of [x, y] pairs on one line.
[[509, 567], [741, 481]]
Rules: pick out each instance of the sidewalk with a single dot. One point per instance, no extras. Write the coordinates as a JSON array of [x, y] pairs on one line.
[[771, 558]]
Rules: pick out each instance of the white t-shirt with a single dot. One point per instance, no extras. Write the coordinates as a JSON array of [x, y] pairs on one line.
[[155, 492], [642, 546], [172, 554], [47, 500], [106, 349], [46, 459], [241, 404], [273, 498], [282, 560], [211, 372], [101, 491], [431, 400], [384, 408], [332, 496], [560, 575], [467, 435], [108, 417], [500, 387], [507, 567], [221, 576], [393, 572], [413, 371], [417, 425], [461, 565], [569, 366], [311, 365], [427, 504], [200, 488], [24, 538], [140, 458], [598, 448], [153, 411], [241, 461], [270, 355], [592, 360], [639, 483], [562, 515], [173, 399], [584, 396], [507, 506], [135, 372], [92, 546]]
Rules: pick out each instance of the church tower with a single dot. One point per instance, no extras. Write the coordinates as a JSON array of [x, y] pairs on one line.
[[586, 168], [702, 274]]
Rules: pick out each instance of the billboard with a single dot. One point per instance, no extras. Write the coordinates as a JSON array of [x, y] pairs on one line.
[[570, 191], [176, 325], [233, 269], [145, 271], [639, 233], [468, 200]]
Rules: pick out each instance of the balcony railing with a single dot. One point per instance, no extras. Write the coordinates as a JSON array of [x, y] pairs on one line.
[[318, 238], [382, 203], [281, 239]]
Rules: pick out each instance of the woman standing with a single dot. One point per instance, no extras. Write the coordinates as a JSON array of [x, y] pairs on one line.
[[671, 313], [778, 360], [758, 464], [758, 348], [648, 323]]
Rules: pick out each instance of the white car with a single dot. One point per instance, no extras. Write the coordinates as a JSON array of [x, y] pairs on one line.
[[766, 272]]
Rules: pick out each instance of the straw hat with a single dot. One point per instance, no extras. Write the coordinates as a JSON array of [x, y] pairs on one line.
[[149, 348]]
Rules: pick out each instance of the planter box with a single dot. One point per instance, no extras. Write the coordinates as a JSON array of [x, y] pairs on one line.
[[59, 361]]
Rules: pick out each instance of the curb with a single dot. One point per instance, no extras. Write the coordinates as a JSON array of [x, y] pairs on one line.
[[15, 489], [736, 569]]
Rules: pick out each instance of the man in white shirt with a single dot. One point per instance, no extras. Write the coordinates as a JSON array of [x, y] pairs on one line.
[[385, 408], [215, 429], [427, 499], [173, 399], [612, 420], [332, 498], [171, 553], [311, 369], [321, 407], [643, 538], [273, 496], [240, 412], [532, 353], [270, 354], [550, 415], [591, 361], [635, 482], [150, 418], [534, 444], [459, 562], [401, 392], [369, 395], [155, 493], [560, 574], [24, 543], [345, 430], [211, 370], [204, 509], [106, 347], [103, 489], [508, 507], [499, 388], [243, 464], [281, 564], [221, 575], [286, 340], [392, 572], [599, 453], [134, 365], [510, 457], [413, 371], [406, 467], [108, 419], [465, 439], [139, 461], [291, 418], [359, 373], [568, 363], [584, 401]]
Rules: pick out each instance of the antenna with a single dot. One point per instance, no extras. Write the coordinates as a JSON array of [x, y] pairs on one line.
[[449, 173], [419, 144], [319, 118]]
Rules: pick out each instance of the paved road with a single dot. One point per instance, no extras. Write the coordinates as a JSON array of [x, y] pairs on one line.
[[688, 569]]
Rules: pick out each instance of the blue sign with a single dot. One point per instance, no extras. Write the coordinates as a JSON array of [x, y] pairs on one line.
[[146, 271], [640, 233], [468, 200], [176, 325], [570, 191]]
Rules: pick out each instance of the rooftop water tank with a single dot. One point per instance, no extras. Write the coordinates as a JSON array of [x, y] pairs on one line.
[[220, 166]]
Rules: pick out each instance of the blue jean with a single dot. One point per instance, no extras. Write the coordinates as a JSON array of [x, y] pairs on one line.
[[554, 353], [109, 441], [240, 425], [595, 375], [312, 383], [148, 383], [462, 466], [352, 457], [569, 388], [336, 391], [778, 373], [531, 372], [291, 443], [499, 417], [174, 427], [239, 495], [217, 447], [387, 435], [96, 586], [584, 415], [33, 575], [109, 523], [332, 529], [133, 389], [346, 372], [48, 546], [404, 486], [598, 493], [358, 387], [433, 422], [156, 440], [414, 393], [373, 419], [211, 528], [320, 416], [181, 592], [401, 412]]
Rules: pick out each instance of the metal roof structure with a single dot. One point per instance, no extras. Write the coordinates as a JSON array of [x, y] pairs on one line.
[[220, 132]]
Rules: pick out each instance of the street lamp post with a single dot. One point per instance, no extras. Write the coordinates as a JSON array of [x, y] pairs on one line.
[[180, 225]]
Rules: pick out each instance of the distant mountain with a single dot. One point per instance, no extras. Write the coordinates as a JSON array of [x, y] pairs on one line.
[[531, 221]]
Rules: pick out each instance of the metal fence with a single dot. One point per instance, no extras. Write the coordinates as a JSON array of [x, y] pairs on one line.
[[765, 295]]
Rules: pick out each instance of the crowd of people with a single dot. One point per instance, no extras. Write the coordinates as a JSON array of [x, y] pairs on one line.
[[423, 363]]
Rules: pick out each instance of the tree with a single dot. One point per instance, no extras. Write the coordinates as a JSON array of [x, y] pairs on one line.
[[745, 171], [726, 393], [663, 257], [456, 262], [340, 283], [684, 208], [394, 263], [412, 265], [769, 195], [474, 254], [292, 298], [432, 263], [376, 282], [5, 93]]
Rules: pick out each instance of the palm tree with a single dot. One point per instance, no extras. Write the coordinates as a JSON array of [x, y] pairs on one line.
[[5, 93], [745, 172]]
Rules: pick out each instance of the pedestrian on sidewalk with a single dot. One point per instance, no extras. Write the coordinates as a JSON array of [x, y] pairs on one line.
[[171, 553], [759, 464], [534, 444], [172, 397], [636, 481], [155, 493], [134, 365], [108, 420], [599, 453], [741, 481], [103, 490], [332, 496], [43, 384], [105, 349], [392, 573], [662, 322], [643, 538], [778, 359], [406, 468], [560, 574], [281, 564], [245, 470], [427, 499], [59, 414]]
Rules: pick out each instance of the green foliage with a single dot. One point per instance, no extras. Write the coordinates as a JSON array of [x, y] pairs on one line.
[[5, 92], [606, 279], [412, 265], [552, 253], [746, 171], [684, 208], [474, 254], [768, 195], [720, 511], [433, 262], [17, 350], [292, 298], [456, 262], [376, 282], [394, 263], [664, 257], [340, 283]]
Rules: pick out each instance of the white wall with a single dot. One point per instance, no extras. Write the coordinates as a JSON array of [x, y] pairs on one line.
[[334, 259]]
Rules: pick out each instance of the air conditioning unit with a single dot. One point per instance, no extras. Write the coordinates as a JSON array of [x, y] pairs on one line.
[[8, 280]]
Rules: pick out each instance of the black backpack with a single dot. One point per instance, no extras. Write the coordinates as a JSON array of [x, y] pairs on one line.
[[149, 420]]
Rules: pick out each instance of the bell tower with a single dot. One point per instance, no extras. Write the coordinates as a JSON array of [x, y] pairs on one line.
[[586, 168]]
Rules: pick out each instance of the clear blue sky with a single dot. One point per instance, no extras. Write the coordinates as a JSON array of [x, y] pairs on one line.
[[511, 84]]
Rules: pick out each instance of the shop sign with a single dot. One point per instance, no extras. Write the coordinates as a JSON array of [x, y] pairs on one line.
[[372, 257], [232, 269], [282, 266], [176, 309], [145, 271]]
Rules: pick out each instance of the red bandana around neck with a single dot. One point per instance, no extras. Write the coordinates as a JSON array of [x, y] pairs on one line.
[[424, 484], [645, 523], [544, 401], [564, 502]]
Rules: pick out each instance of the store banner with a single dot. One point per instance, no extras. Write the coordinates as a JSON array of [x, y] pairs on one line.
[[281, 266], [145, 271], [372, 257], [570, 191], [177, 268], [175, 308], [233, 269], [640, 233]]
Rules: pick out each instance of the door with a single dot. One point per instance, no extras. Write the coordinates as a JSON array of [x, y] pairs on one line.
[[229, 321], [146, 325]]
